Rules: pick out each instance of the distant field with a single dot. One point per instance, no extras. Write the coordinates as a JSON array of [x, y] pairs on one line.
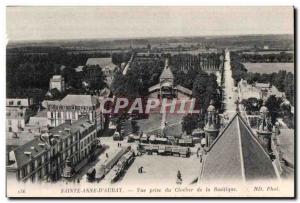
[[266, 52], [269, 67]]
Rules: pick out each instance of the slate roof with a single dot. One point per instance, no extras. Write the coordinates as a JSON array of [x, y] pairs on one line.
[[262, 85], [236, 154], [79, 125], [33, 147], [56, 78], [99, 61], [184, 90], [79, 100]]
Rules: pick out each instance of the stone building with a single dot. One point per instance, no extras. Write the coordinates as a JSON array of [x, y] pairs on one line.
[[17, 113], [57, 82], [72, 108], [44, 157]]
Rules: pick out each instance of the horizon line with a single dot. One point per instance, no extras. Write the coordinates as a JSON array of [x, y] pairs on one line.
[[138, 37]]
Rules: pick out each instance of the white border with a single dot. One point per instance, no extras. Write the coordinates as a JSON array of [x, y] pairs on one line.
[[5, 3]]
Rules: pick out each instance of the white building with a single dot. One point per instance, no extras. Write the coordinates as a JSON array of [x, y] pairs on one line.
[[73, 108], [58, 82], [17, 114]]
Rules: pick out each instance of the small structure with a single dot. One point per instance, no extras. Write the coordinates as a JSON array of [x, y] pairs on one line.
[[166, 89], [58, 82]]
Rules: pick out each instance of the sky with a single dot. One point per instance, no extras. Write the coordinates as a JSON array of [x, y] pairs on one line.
[[48, 23]]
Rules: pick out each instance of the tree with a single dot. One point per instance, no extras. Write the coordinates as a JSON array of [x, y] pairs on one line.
[[189, 123], [273, 104]]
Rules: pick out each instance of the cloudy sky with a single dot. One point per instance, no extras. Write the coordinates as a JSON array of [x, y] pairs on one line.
[[46, 23]]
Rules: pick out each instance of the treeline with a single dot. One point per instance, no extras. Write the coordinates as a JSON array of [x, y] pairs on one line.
[[275, 106], [282, 57], [141, 75], [282, 80], [28, 75]]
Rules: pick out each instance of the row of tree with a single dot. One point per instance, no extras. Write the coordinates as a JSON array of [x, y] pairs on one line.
[[282, 57], [28, 74]]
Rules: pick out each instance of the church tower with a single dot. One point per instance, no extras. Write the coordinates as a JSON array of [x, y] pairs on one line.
[[264, 130], [212, 124]]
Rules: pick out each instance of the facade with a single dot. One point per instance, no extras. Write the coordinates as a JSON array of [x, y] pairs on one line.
[[72, 108], [17, 114], [44, 157], [57, 82], [166, 88]]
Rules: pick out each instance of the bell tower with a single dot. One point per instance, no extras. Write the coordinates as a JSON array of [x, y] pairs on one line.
[[212, 124], [264, 130]]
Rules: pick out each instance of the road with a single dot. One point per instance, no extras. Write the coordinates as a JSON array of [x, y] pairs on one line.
[[230, 94]]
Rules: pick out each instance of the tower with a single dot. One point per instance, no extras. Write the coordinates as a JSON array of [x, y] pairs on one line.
[[212, 124], [264, 130]]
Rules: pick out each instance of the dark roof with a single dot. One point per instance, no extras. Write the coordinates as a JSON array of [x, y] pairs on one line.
[[76, 126], [236, 154], [79, 100], [33, 147], [184, 90]]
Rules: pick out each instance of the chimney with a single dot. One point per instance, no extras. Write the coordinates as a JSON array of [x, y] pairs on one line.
[[68, 121], [68, 130], [28, 154]]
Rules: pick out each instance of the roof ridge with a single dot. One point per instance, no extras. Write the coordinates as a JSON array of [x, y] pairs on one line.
[[252, 135], [241, 152]]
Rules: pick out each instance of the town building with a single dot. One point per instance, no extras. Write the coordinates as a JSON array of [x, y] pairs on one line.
[[257, 90], [106, 66], [44, 158], [73, 108], [57, 82], [18, 112], [166, 88]]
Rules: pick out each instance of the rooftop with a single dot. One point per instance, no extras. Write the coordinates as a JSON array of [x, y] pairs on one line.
[[24, 102], [25, 153], [56, 78], [236, 154], [167, 73], [102, 62], [79, 125], [78, 100]]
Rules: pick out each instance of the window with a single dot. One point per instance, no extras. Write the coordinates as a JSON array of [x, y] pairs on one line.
[[11, 102], [9, 122], [19, 103], [9, 129]]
